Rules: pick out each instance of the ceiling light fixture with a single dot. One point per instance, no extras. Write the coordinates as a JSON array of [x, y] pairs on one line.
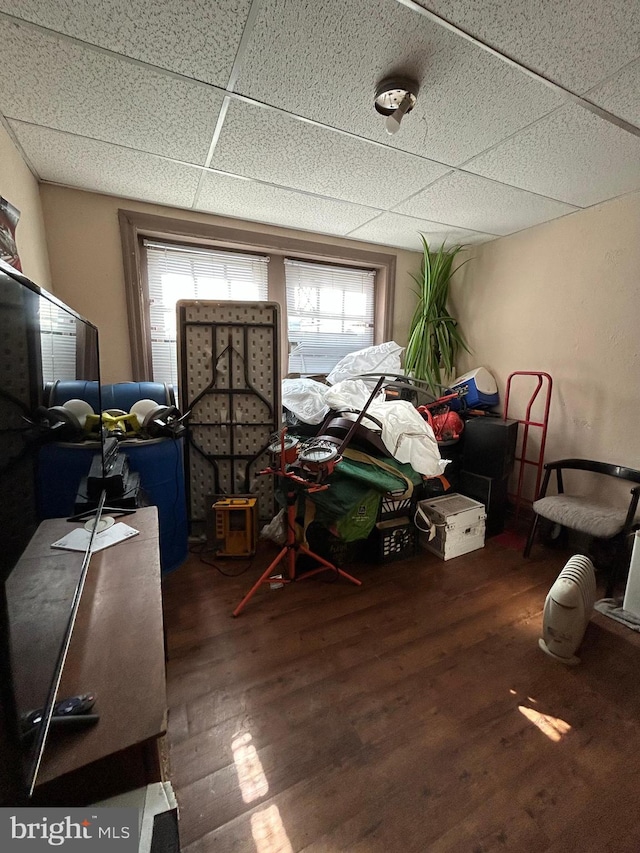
[[395, 97]]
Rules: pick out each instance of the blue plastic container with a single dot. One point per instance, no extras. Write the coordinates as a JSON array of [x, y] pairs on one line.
[[74, 389], [60, 469], [478, 388], [160, 465], [122, 395]]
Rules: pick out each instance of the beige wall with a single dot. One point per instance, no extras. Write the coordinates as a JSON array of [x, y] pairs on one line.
[[18, 186], [86, 264], [564, 297]]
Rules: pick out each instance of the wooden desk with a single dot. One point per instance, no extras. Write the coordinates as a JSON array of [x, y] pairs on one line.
[[117, 652]]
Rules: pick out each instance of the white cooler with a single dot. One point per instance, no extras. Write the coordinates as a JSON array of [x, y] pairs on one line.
[[458, 523]]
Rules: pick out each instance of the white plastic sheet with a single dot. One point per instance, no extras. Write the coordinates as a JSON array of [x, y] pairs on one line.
[[306, 399], [275, 529], [408, 437], [381, 358], [349, 394], [405, 433]]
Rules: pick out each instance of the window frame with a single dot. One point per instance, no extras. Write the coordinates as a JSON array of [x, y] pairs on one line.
[[136, 226]]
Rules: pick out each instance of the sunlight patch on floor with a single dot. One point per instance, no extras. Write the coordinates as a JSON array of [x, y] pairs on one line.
[[251, 779], [553, 727], [269, 833]]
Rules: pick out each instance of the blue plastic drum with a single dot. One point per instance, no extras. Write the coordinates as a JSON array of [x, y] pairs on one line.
[[159, 463]]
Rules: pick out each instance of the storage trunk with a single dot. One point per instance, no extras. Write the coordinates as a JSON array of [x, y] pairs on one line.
[[458, 523]]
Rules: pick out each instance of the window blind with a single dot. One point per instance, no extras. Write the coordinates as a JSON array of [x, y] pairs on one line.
[[330, 313], [57, 342], [184, 272]]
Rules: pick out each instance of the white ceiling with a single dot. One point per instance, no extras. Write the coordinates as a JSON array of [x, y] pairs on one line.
[[263, 110]]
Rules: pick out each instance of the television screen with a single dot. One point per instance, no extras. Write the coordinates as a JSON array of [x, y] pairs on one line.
[[42, 341]]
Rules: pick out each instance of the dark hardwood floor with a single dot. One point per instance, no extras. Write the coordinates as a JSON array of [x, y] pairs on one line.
[[415, 713]]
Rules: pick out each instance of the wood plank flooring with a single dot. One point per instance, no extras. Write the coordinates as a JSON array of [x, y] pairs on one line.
[[414, 713]]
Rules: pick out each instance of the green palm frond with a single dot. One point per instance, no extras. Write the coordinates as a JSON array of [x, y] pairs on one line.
[[434, 336]]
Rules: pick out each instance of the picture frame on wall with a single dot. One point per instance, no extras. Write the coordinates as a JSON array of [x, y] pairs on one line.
[[9, 217]]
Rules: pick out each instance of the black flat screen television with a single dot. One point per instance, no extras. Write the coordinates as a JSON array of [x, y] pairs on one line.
[[41, 341]]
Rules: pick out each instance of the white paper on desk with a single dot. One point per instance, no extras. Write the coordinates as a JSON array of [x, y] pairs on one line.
[[78, 539]]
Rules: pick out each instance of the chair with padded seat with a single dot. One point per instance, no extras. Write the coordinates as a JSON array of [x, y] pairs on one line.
[[586, 515]]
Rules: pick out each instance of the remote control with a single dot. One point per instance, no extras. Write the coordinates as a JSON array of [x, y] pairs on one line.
[[70, 707]]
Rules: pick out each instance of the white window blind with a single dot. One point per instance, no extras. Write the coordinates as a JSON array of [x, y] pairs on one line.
[[57, 342], [185, 272], [330, 313]]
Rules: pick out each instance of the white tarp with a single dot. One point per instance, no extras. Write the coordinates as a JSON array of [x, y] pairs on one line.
[[405, 433], [381, 358], [306, 399]]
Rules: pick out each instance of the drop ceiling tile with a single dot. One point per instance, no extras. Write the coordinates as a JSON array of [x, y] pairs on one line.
[[620, 94], [323, 61], [260, 143], [59, 84], [392, 229], [87, 164], [247, 199], [197, 38], [572, 155], [574, 42], [470, 201]]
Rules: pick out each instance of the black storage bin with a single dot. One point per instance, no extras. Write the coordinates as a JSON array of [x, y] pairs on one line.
[[390, 508], [452, 452], [492, 492], [393, 539], [489, 446], [432, 487]]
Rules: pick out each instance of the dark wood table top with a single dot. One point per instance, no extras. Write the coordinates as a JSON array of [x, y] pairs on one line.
[[117, 646]]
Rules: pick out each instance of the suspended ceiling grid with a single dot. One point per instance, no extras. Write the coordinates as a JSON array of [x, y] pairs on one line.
[[263, 110]]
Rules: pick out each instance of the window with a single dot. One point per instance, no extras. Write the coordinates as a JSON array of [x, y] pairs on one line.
[[141, 232], [330, 312], [58, 334], [177, 272]]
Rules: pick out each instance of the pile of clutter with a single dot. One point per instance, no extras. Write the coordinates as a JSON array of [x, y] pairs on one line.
[[404, 429], [410, 433]]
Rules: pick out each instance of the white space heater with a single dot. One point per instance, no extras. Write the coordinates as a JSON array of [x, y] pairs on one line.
[[567, 610], [631, 601]]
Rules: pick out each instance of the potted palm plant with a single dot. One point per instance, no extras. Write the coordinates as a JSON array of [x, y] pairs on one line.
[[434, 337]]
